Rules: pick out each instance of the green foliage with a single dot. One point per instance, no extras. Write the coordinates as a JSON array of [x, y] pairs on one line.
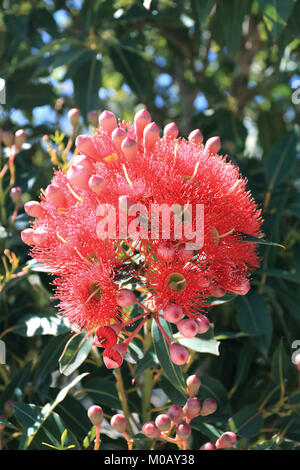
[[235, 58]]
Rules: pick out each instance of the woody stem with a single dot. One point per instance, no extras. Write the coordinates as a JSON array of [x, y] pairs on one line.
[[147, 376]]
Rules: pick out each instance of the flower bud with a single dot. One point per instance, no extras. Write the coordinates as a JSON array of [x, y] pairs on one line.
[[196, 136], [192, 408], [165, 251], [118, 135], [129, 148], [92, 117], [163, 422], [150, 135], [217, 292], [74, 115], [150, 430], [86, 147], [16, 195], [113, 357], [202, 324], [97, 184], [192, 385], [228, 439], [242, 288], [171, 131], [79, 176], [173, 313], [40, 235], [108, 121], [209, 406], [176, 413], [34, 209], [297, 361], [56, 195], [20, 138], [27, 236], [179, 354], [118, 422], [84, 161], [107, 336], [213, 145], [208, 446], [95, 413], [187, 327], [125, 298], [183, 431], [7, 138], [141, 119]]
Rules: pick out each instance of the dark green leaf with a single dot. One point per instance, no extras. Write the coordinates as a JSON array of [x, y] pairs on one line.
[[247, 422], [276, 13], [31, 325], [75, 352]]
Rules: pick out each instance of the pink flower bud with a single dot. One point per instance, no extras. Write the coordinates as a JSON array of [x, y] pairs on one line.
[[141, 119], [178, 354], [86, 147], [150, 135], [176, 413], [297, 361], [173, 313], [27, 236], [74, 115], [118, 135], [242, 288], [97, 184], [129, 148], [107, 336], [208, 446], [56, 195], [108, 121], [183, 431], [8, 138], [118, 422], [228, 439], [150, 430], [40, 235], [165, 251], [192, 385], [163, 422], [171, 131], [213, 145], [209, 406], [113, 358], [95, 413], [16, 194], [92, 117], [196, 136], [45, 138], [187, 327], [34, 209], [192, 408], [20, 138], [217, 292], [125, 298], [84, 161], [202, 324], [79, 176]]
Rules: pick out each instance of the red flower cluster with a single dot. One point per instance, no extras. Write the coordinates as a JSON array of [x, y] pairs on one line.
[[132, 170]]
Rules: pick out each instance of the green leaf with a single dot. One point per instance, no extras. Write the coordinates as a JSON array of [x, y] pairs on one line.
[[247, 422], [245, 237], [87, 80], [172, 371], [49, 359], [75, 353], [212, 388], [210, 346], [149, 360], [103, 392], [33, 417], [14, 389], [279, 163], [254, 318], [32, 325], [276, 13], [269, 444], [230, 15], [245, 359], [280, 365], [206, 429]]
